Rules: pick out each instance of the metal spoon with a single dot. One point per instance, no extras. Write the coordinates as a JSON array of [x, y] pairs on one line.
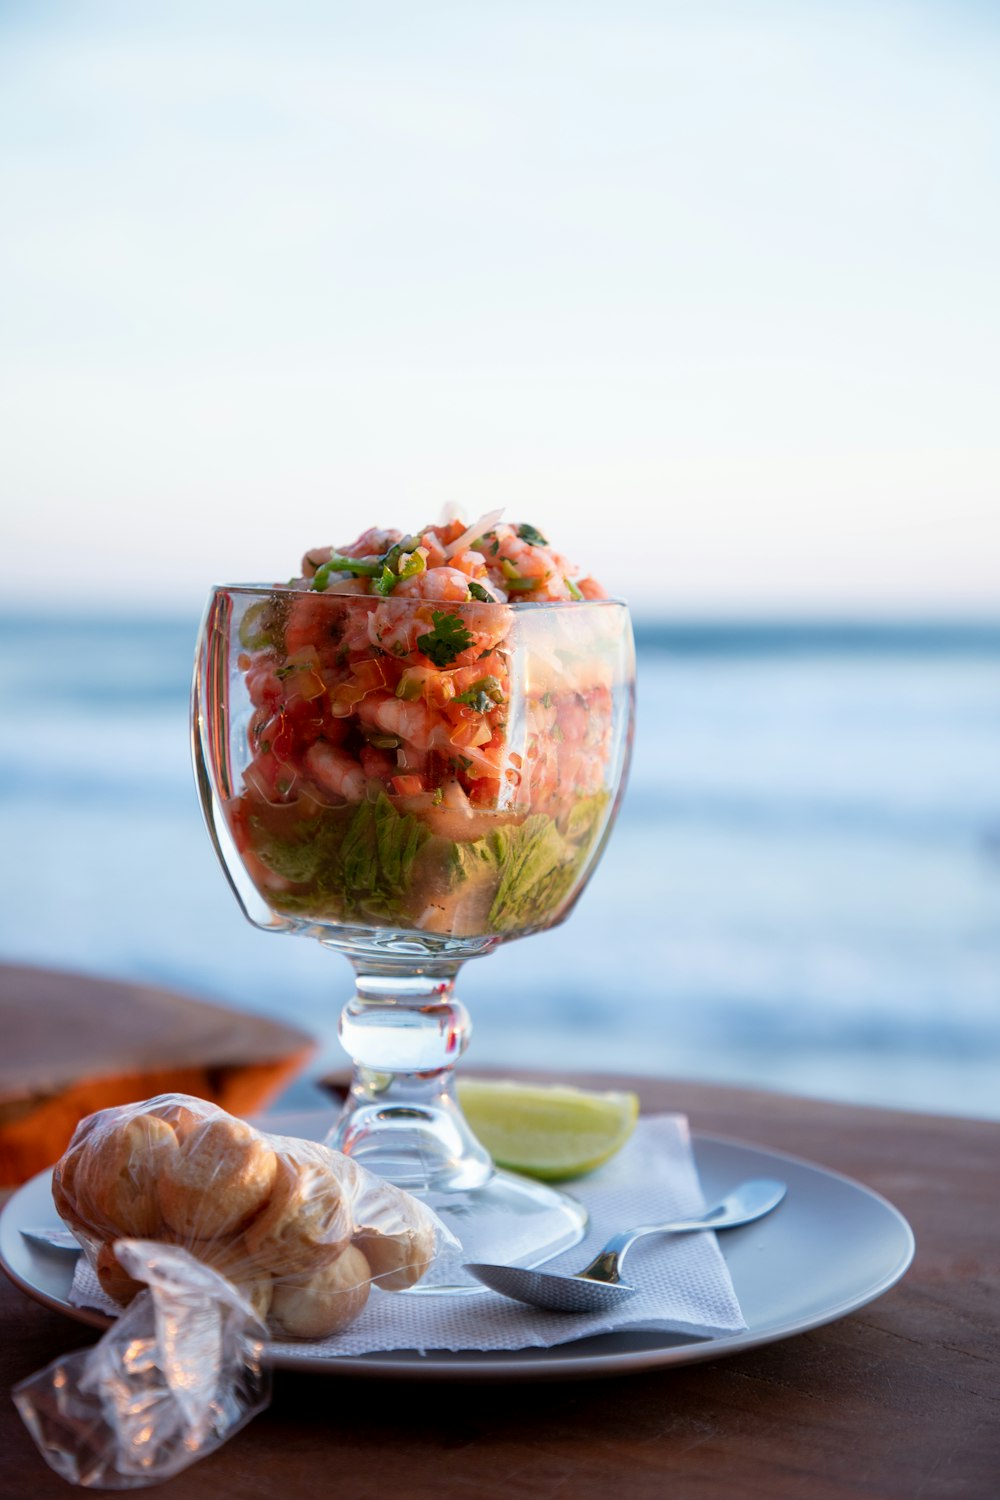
[[598, 1287]]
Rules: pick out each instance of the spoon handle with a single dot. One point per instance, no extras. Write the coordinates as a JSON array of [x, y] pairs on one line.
[[607, 1264], [750, 1201]]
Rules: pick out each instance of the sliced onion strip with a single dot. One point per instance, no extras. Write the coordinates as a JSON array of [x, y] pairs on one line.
[[485, 523]]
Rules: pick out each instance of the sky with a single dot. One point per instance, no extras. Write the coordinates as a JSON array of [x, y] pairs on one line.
[[707, 292]]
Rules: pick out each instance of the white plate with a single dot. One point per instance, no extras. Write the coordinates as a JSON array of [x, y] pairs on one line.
[[830, 1247]]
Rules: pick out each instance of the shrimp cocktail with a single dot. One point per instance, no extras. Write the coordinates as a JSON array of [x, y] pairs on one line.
[[413, 751]]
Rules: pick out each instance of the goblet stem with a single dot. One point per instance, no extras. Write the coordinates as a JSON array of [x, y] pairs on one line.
[[401, 1119]]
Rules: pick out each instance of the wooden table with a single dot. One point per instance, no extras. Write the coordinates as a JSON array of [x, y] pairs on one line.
[[901, 1399], [74, 1043]]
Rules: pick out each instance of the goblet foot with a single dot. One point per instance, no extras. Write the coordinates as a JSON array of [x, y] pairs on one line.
[[510, 1219]]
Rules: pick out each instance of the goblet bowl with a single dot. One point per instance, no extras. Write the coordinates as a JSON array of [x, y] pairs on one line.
[[413, 783]]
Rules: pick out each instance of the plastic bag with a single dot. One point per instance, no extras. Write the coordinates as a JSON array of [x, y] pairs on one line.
[[237, 1235], [302, 1231], [175, 1376]]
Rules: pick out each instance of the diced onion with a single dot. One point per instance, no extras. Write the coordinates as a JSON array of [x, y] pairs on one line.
[[485, 523]]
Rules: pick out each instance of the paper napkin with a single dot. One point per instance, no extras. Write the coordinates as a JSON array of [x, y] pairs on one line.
[[683, 1282]]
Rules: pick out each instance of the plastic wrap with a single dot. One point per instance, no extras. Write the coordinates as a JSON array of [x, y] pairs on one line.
[[302, 1231], [175, 1376], [237, 1235]]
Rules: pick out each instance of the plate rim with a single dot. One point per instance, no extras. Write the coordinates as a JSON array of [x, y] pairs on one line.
[[553, 1363]]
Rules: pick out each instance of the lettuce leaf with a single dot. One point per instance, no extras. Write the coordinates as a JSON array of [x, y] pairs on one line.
[[371, 863], [541, 864], [309, 850], [376, 858], [356, 861], [526, 855]]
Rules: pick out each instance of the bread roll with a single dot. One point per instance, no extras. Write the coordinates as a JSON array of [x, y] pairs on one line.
[[316, 1306], [180, 1116], [64, 1187], [398, 1260], [232, 1259], [220, 1175], [258, 1291], [117, 1283], [116, 1178], [396, 1235], [307, 1221]]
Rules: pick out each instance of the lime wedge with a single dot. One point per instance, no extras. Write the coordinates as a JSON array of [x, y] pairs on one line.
[[547, 1132]]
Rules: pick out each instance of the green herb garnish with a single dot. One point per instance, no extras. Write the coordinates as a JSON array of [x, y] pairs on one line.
[[531, 535], [360, 567], [513, 581], [356, 861], [478, 592], [448, 639], [483, 696], [385, 569], [413, 565]]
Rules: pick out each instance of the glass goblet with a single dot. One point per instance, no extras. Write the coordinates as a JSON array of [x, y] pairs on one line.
[[414, 782]]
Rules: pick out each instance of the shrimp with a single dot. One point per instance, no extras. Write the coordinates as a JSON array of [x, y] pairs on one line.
[[397, 625], [314, 559], [432, 544], [421, 729], [413, 722], [444, 583], [315, 620], [493, 664], [472, 564], [540, 572], [489, 626], [262, 680], [530, 561], [371, 543], [335, 771], [454, 817]]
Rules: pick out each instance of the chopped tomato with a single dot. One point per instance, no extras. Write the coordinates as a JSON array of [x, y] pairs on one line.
[[407, 786]]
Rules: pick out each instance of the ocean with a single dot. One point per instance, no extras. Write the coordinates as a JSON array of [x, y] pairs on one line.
[[802, 891]]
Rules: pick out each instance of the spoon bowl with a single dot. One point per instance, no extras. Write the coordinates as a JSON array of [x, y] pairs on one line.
[[599, 1287]]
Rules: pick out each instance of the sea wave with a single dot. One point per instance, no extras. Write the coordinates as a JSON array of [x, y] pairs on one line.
[[805, 876]]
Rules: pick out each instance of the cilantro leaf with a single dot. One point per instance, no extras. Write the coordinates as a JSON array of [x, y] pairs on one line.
[[448, 639], [478, 592], [531, 535], [484, 695]]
